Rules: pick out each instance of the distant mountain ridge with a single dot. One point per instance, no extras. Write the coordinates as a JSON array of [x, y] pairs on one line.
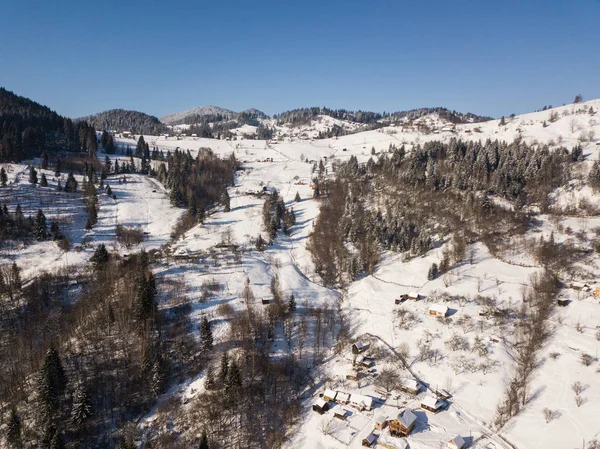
[[299, 116], [125, 120]]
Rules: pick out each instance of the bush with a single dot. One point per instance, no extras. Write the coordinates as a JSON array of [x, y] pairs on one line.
[[129, 237]]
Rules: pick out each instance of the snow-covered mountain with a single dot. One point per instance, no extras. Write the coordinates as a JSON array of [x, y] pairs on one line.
[[192, 116]]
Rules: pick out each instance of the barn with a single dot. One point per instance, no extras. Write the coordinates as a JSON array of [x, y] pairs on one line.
[[432, 404], [438, 310], [369, 440], [359, 347], [329, 395], [456, 443], [321, 406]]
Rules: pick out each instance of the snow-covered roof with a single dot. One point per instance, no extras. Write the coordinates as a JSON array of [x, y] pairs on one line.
[[438, 309], [330, 393], [360, 345], [411, 384], [431, 402], [381, 418], [371, 438], [367, 401], [321, 403], [342, 396], [337, 410], [407, 418], [458, 441], [413, 295]]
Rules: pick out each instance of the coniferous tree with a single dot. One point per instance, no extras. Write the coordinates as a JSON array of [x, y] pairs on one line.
[[210, 381], [71, 184], [44, 160], [82, 407], [51, 384], [297, 198], [233, 383], [594, 175], [44, 180], [59, 187], [292, 303], [57, 168], [100, 257], [226, 200], [145, 297], [203, 441], [224, 369], [260, 243], [33, 179], [3, 177], [40, 226], [158, 378], [15, 273], [206, 336], [433, 271], [13, 429]]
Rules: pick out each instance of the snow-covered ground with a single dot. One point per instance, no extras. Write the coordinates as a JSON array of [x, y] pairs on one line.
[[477, 383]]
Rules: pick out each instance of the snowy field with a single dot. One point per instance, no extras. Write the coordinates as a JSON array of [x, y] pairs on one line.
[[369, 302]]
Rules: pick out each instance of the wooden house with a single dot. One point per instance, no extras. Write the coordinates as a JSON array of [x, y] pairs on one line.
[[403, 424], [361, 402], [457, 442], [402, 298], [369, 440], [359, 347], [579, 286], [414, 296], [321, 406], [432, 404], [265, 301], [443, 394], [563, 302], [381, 421], [342, 398], [438, 310], [410, 386], [340, 413], [329, 395], [365, 362]]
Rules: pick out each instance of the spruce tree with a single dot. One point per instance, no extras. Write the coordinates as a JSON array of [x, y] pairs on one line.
[[158, 378], [44, 159], [33, 179], [82, 407], [297, 198], [226, 200], [210, 381], [292, 303], [44, 180], [13, 429], [433, 271], [71, 184], [203, 441], [224, 369], [51, 384], [100, 257], [233, 383], [40, 226], [3, 177], [206, 336], [15, 274], [57, 168], [260, 243]]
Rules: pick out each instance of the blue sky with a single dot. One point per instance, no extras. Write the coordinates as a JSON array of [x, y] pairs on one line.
[[486, 57]]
